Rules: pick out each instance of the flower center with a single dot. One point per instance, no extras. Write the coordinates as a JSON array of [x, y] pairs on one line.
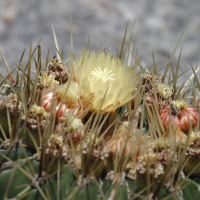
[[104, 75]]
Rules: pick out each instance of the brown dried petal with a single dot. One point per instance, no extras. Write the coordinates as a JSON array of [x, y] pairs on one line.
[[147, 81], [10, 102], [58, 69]]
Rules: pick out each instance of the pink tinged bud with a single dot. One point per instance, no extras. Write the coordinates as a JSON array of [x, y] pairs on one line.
[[61, 112], [77, 112], [64, 111], [182, 119], [77, 108], [49, 99], [117, 144]]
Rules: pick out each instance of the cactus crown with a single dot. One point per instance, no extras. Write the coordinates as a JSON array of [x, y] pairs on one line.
[[97, 129]]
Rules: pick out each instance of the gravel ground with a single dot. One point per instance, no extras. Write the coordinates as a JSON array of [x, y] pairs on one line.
[[158, 27]]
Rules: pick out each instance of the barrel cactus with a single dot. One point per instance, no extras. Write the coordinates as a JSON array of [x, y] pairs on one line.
[[98, 128]]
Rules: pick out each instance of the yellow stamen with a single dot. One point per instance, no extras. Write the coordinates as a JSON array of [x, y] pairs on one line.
[[165, 91], [180, 104], [48, 81], [39, 110]]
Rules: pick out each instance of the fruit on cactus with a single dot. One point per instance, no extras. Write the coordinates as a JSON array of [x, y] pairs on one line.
[[181, 113], [69, 125], [117, 143]]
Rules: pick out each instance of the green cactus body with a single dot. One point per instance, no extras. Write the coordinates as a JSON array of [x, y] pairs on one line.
[[21, 178], [49, 188], [90, 192], [15, 154], [192, 164], [117, 191]]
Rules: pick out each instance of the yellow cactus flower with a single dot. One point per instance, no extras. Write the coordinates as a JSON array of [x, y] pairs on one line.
[[99, 74]]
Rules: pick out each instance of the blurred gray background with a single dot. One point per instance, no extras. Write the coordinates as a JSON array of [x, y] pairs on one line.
[[159, 25]]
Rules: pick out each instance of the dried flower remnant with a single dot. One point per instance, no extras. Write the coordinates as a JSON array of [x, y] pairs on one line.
[[59, 70], [165, 90], [56, 150], [75, 136], [150, 99], [151, 163], [8, 103], [95, 155], [149, 81], [72, 127], [134, 120], [39, 111], [48, 80], [196, 105], [155, 90], [73, 123], [36, 119], [150, 160], [116, 178], [45, 82]]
